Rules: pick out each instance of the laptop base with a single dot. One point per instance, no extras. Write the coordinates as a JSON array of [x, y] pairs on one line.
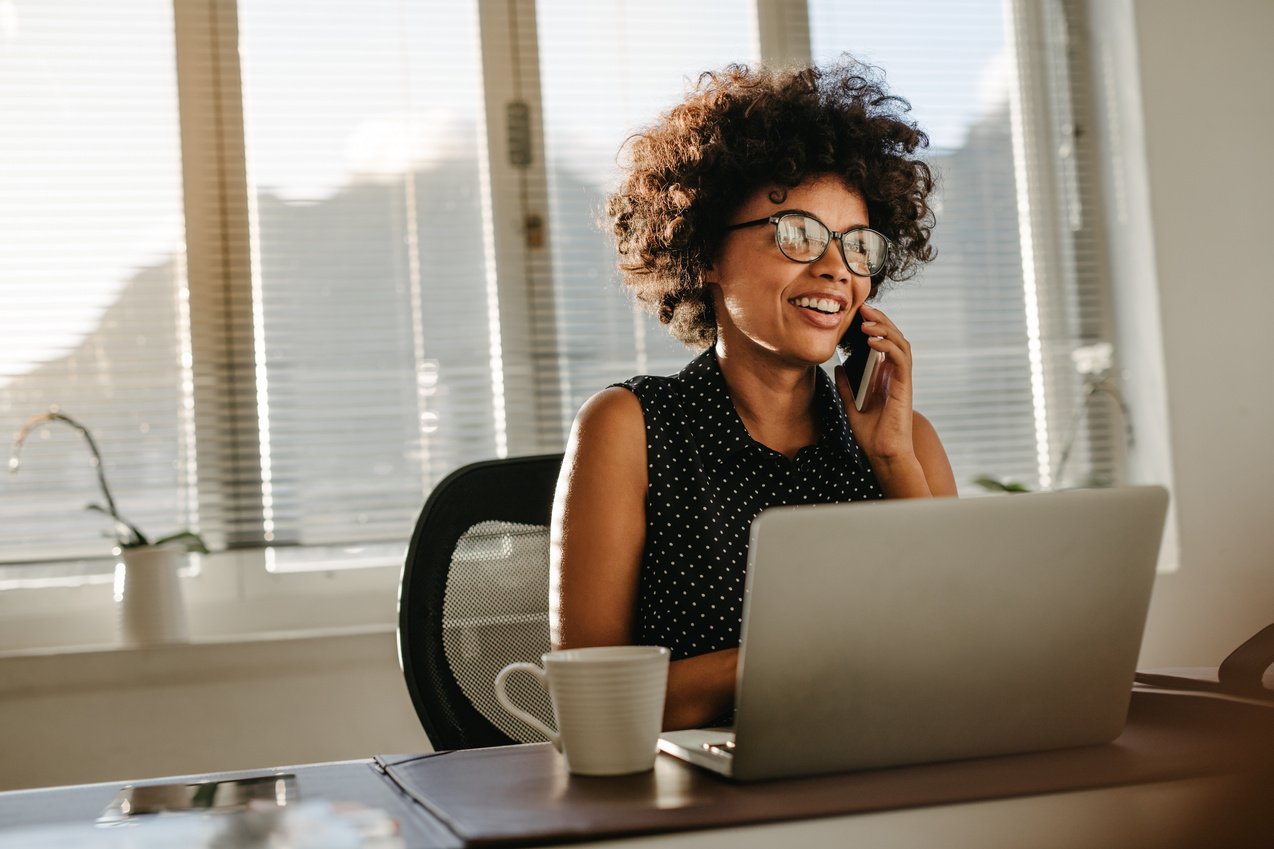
[[709, 748]]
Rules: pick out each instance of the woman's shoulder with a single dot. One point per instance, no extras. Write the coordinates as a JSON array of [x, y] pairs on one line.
[[613, 413], [622, 412], [608, 437], [628, 407], [658, 397], [649, 385]]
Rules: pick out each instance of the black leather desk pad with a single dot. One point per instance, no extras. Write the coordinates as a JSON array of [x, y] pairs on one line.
[[523, 794]]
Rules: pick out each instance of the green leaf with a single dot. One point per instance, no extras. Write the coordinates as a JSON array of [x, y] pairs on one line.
[[189, 539], [131, 537], [995, 485]]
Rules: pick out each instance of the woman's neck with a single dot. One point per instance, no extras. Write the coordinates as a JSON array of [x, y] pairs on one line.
[[773, 398]]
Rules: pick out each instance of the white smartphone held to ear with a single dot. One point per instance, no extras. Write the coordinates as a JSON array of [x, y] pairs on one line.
[[859, 361]]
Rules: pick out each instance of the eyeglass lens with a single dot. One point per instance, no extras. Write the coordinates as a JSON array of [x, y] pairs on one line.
[[803, 238]]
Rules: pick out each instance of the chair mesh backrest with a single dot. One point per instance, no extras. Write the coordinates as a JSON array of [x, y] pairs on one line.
[[495, 612], [474, 598]]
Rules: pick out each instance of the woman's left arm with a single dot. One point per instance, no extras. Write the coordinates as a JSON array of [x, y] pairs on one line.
[[904, 449], [932, 456]]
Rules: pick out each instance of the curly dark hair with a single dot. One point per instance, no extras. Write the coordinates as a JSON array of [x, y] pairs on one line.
[[741, 129]]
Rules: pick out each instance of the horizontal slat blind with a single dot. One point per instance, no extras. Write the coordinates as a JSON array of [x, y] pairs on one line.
[[638, 65], [337, 357], [363, 145], [966, 314], [1097, 431], [91, 272]]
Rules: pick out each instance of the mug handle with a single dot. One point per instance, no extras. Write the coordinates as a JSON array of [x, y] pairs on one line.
[[503, 698]]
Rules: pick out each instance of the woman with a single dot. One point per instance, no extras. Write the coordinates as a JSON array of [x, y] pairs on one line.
[[756, 218]]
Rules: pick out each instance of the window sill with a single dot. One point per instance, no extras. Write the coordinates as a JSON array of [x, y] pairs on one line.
[[240, 657], [233, 598]]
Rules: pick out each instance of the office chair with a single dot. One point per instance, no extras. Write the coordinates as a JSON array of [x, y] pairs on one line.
[[474, 598]]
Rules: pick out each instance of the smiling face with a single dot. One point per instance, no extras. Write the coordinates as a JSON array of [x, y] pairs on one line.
[[769, 306]]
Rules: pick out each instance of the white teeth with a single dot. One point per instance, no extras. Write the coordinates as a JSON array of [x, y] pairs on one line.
[[826, 305]]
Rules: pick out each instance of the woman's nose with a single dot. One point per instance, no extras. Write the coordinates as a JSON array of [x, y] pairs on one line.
[[831, 265]]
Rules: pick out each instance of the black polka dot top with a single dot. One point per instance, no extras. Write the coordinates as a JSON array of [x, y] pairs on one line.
[[708, 481]]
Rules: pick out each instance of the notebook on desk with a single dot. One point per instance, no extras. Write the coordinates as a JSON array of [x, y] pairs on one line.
[[903, 632]]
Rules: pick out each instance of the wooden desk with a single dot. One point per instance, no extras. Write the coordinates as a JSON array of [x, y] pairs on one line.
[[354, 781], [1151, 815], [1191, 797]]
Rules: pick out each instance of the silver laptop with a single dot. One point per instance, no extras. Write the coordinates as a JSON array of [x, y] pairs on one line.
[[901, 632]]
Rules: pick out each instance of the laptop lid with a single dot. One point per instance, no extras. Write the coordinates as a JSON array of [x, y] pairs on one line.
[[897, 632]]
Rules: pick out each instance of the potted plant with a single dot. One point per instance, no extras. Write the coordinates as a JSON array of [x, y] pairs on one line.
[[147, 589], [1094, 363]]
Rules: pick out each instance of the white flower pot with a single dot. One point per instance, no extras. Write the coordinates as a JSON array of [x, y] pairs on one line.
[[148, 596]]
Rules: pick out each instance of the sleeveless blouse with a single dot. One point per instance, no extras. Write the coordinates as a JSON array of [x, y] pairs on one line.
[[708, 479]]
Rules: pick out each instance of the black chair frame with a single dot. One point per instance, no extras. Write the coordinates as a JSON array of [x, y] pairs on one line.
[[517, 489]]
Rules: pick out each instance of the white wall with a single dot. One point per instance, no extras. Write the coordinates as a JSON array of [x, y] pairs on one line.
[[123, 714], [1207, 77]]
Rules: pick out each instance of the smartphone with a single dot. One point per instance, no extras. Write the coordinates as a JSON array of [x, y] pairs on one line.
[[859, 360]]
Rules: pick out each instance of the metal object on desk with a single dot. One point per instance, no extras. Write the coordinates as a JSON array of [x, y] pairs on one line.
[[235, 794]]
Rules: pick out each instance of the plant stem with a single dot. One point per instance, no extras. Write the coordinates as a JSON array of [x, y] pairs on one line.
[[135, 536], [1091, 388]]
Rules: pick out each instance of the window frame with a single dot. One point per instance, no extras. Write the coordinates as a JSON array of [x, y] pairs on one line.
[[235, 587]]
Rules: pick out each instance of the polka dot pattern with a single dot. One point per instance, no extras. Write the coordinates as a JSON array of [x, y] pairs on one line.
[[708, 479]]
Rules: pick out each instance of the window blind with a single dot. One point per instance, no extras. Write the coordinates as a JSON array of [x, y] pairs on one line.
[[362, 142], [968, 314], [320, 343], [1096, 429], [638, 66], [92, 273]]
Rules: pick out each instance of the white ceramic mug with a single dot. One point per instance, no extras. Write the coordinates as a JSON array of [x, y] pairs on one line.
[[608, 702]]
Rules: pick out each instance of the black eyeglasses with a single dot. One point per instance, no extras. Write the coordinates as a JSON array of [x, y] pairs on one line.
[[803, 238]]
